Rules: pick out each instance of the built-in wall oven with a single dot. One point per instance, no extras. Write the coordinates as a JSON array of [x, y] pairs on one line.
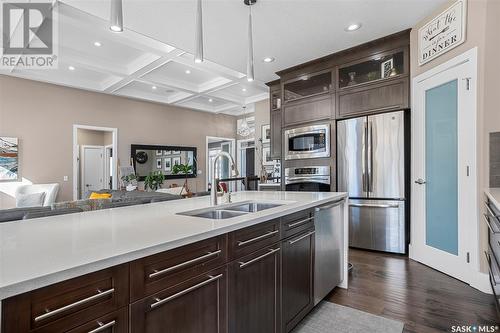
[[307, 142], [308, 179]]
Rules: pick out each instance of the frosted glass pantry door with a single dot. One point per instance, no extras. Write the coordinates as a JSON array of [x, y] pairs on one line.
[[444, 192]]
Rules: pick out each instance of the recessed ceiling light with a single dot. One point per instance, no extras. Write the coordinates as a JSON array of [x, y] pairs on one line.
[[268, 59], [97, 44], [154, 87], [210, 100], [71, 68], [244, 89], [353, 27], [188, 71]]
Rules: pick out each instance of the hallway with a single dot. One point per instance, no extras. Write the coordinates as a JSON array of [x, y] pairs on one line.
[[425, 300]]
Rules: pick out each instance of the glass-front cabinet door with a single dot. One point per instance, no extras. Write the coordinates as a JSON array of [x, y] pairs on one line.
[[379, 67], [308, 85]]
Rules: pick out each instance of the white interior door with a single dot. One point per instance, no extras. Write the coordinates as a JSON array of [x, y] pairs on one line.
[[92, 168], [443, 214]]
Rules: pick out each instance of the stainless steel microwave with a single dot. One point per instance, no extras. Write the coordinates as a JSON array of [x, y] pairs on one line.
[[307, 142]]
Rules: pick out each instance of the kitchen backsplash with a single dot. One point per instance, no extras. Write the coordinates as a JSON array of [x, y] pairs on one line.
[[495, 159]]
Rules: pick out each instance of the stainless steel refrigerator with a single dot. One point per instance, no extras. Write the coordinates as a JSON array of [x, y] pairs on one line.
[[371, 168]]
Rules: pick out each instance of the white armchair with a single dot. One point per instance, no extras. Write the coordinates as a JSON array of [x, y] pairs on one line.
[[50, 191]]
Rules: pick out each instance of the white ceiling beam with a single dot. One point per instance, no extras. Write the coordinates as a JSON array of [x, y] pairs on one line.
[[136, 75]]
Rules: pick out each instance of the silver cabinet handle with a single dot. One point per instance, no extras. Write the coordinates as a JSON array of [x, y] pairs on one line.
[[159, 301], [268, 234], [183, 264], [420, 181], [249, 262], [102, 326], [487, 220], [335, 204], [292, 241], [291, 225], [488, 258], [99, 294], [491, 212], [374, 205]]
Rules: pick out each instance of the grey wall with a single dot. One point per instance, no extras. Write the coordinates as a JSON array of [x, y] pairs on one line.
[[42, 116], [495, 159]]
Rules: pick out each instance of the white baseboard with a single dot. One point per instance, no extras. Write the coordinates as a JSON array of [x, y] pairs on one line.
[[481, 282]]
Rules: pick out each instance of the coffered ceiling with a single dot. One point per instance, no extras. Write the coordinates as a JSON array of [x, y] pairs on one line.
[[133, 65], [152, 59]]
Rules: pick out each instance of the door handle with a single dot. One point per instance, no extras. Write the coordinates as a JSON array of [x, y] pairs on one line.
[[420, 181]]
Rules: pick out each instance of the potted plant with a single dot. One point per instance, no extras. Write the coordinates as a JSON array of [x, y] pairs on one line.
[[154, 180], [183, 169], [130, 181]]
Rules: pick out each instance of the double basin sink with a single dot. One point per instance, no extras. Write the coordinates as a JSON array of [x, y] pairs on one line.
[[231, 210]]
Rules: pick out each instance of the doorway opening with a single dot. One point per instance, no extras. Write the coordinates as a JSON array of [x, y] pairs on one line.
[[94, 160], [246, 163], [215, 145]]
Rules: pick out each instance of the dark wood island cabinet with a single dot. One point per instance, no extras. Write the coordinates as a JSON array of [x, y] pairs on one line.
[[255, 279]]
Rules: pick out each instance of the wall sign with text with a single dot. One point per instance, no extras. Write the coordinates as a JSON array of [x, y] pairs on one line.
[[443, 33]]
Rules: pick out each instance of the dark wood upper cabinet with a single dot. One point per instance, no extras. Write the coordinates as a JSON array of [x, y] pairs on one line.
[[366, 79], [385, 96], [276, 134], [255, 292], [275, 94], [307, 110], [308, 85], [275, 120], [298, 278], [196, 305], [373, 69]]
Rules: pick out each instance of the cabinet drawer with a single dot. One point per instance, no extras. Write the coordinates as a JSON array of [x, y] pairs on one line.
[[115, 322], [248, 240], [196, 305], [68, 304], [157, 272], [295, 223], [383, 97], [312, 109]]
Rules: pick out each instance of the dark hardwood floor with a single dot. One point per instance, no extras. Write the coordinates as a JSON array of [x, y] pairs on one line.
[[424, 299]]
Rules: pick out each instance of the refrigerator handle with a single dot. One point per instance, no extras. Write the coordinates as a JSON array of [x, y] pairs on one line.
[[369, 175], [363, 160]]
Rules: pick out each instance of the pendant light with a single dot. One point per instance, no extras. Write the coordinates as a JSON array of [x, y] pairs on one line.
[[250, 71], [116, 18], [244, 129], [198, 56]]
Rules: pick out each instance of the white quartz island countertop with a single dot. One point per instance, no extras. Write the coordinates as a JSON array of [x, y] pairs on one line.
[[39, 252]]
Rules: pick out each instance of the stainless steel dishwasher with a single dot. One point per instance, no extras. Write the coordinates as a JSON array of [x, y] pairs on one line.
[[329, 253]]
